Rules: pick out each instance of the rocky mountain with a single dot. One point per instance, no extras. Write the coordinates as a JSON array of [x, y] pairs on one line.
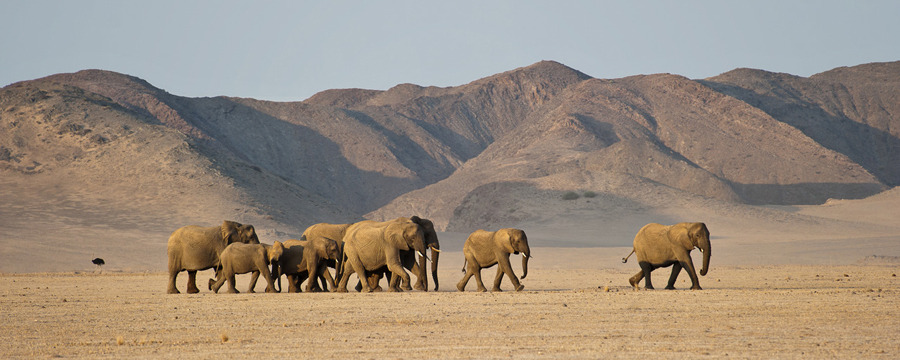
[[104, 150]]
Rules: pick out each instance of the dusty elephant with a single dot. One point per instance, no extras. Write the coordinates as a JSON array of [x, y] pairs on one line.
[[484, 249], [304, 259], [369, 245], [239, 258], [327, 231], [659, 246], [408, 260], [193, 248]]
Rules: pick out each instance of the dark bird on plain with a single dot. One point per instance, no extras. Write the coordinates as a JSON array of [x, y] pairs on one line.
[[99, 262]]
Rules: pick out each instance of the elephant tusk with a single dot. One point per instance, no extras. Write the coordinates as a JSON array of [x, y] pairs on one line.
[[422, 255], [435, 250]]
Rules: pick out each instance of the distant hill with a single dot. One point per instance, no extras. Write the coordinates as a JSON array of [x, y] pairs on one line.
[[98, 150]]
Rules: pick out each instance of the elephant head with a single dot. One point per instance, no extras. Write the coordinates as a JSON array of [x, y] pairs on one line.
[[431, 243], [517, 242], [699, 237], [237, 232], [406, 235], [273, 253]]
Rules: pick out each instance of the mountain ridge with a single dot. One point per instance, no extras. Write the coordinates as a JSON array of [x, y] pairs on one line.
[[496, 152]]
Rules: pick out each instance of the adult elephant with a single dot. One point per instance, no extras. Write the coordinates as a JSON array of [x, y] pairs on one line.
[[194, 248], [304, 259], [408, 260], [369, 245], [240, 258], [484, 249], [327, 231], [659, 246]]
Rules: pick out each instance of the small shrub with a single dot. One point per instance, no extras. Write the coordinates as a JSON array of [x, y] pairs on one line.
[[570, 195], [590, 194]]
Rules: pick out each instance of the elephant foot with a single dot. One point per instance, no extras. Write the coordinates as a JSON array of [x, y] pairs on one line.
[[211, 282], [340, 290], [251, 291], [460, 288], [394, 289], [407, 288], [670, 287], [271, 291], [421, 287], [649, 287], [193, 290], [173, 291], [696, 287], [633, 283], [481, 289], [232, 291], [520, 287]]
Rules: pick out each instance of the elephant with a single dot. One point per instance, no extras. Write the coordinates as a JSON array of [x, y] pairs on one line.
[[304, 259], [327, 231], [408, 259], [193, 248], [239, 258], [369, 245], [484, 249], [659, 246]]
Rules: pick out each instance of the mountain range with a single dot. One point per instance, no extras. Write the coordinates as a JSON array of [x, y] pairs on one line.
[[545, 147]]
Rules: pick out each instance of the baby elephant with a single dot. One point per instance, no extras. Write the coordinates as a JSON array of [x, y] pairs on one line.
[[488, 248], [240, 258]]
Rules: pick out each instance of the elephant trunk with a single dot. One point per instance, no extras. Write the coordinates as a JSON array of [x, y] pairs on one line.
[[276, 275], [525, 256], [435, 253], [705, 248]]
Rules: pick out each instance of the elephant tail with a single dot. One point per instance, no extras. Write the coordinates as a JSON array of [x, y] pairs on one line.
[[625, 259], [464, 265]]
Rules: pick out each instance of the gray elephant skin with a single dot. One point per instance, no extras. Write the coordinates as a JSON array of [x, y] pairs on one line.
[[484, 249], [408, 260], [659, 246], [194, 248], [304, 259], [240, 258], [369, 245]]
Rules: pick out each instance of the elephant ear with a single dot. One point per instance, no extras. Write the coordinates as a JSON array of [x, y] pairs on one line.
[[698, 231], [249, 234], [397, 237], [504, 240], [229, 230]]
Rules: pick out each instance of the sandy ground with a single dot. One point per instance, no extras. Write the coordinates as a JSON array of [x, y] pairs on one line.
[[581, 310]]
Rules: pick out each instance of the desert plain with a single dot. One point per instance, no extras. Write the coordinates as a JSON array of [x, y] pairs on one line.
[[765, 296]]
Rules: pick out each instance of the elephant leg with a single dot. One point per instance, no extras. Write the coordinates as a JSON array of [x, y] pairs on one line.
[[192, 282], [646, 268], [689, 267], [292, 284], [231, 283], [375, 280], [421, 277], [636, 279], [396, 268], [254, 277], [478, 281], [313, 273], [173, 275], [326, 279], [676, 269], [360, 271], [503, 263], [498, 278], [217, 284]]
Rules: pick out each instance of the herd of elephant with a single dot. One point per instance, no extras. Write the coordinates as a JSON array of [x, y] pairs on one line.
[[373, 250]]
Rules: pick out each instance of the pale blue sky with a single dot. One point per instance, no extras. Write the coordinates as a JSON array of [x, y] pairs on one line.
[[287, 51]]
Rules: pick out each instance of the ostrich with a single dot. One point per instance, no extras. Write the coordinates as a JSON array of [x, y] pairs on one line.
[[99, 262]]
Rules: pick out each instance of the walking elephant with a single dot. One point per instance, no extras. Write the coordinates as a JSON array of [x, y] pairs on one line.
[[327, 231], [408, 260], [659, 246], [369, 245], [193, 248], [239, 258], [304, 259], [484, 249]]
